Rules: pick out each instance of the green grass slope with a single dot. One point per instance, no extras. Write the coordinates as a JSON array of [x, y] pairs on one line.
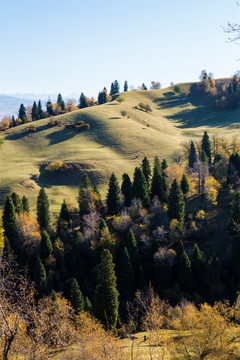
[[113, 143]]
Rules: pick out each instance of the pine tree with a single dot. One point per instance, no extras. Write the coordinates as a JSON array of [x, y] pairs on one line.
[[76, 297], [126, 276], [184, 185], [40, 276], [17, 203], [113, 195], [164, 165], [40, 110], [176, 205], [64, 215], [146, 169], [22, 114], [157, 163], [230, 89], [88, 305], [206, 146], [158, 185], [192, 159], [46, 247], [135, 259], [82, 101], [85, 183], [25, 205], [50, 109], [112, 90], [139, 188], [14, 124], [106, 294], [126, 189], [9, 223], [35, 115], [198, 265], [185, 273], [203, 156], [43, 215], [61, 102], [7, 251], [125, 87], [102, 97], [144, 87], [116, 87]]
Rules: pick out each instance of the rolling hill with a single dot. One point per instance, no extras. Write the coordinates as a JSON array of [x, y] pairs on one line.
[[113, 143]]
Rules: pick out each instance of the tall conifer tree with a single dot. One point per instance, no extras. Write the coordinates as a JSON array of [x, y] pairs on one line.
[[76, 297], [206, 146], [184, 185], [82, 101], [139, 188], [192, 155], [17, 203], [9, 223], [126, 276], [146, 169], [113, 195], [46, 247], [43, 214], [22, 114], [40, 110], [126, 189], [25, 205], [40, 276], [106, 294], [35, 115], [157, 185], [176, 205]]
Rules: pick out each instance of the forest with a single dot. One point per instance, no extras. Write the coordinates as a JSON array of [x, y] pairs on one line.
[[159, 254]]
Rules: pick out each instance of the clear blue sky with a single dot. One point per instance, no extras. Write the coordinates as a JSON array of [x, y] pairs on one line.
[[74, 46]]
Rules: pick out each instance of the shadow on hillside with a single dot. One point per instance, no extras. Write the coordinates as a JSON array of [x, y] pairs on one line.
[[48, 179], [202, 116], [4, 192], [17, 135], [115, 118], [171, 101], [23, 132], [62, 135]]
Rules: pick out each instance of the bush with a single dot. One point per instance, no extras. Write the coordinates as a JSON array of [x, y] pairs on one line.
[[54, 123], [177, 89], [59, 166], [83, 127], [145, 107], [31, 128]]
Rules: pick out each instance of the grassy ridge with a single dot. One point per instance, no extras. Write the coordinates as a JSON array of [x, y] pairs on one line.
[[112, 144]]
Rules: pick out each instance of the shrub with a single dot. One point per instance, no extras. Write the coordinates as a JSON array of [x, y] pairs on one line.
[[83, 127], [31, 128], [120, 99], [145, 107], [177, 89], [123, 113], [54, 123], [59, 166]]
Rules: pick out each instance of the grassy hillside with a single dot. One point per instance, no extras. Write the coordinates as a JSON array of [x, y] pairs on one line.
[[113, 143]]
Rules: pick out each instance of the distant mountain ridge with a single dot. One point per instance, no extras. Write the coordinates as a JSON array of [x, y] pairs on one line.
[[9, 104]]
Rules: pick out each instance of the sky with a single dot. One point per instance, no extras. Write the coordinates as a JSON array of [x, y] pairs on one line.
[[74, 46]]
